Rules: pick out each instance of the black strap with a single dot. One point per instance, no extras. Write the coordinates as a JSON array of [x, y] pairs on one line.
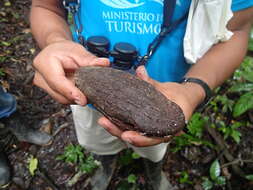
[[168, 12], [167, 26], [204, 85]]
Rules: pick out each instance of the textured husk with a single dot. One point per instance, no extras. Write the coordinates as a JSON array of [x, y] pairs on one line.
[[129, 102]]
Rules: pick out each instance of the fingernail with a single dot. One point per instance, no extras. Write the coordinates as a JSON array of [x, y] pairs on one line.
[[104, 60], [143, 70], [77, 101]]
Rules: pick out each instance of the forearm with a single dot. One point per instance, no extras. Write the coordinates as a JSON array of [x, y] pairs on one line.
[[218, 63], [221, 61], [48, 23]]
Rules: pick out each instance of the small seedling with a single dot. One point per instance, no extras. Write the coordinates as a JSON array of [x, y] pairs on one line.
[[231, 131], [194, 136], [75, 154], [215, 177], [130, 183], [128, 157], [184, 178]]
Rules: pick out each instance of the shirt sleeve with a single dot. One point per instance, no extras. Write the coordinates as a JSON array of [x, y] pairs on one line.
[[238, 5]]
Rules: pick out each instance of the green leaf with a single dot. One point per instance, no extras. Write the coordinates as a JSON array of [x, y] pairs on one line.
[[215, 170], [196, 125], [227, 104], [126, 158], [124, 185], [244, 104], [33, 165], [221, 180], [207, 184], [131, 178], [245, 71], [2, 72], [60, 157], [184, 178], [241, 87], [135, 155], [5, 43], [249, 177], [236, 135], [89, 165], [248, 76]]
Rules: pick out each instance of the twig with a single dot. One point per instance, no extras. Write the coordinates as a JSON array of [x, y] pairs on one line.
[[238, 161], [29, 79], [63, 126], [75, 178], [222, 144], [48, 181]]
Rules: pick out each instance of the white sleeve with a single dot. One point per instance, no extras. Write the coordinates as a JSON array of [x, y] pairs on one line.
[[206, 26]]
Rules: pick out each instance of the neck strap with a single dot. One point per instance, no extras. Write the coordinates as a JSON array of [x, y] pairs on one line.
[[168, 12], [167, 26]]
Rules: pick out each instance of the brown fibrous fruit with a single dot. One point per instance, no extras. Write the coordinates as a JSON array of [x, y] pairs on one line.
[[129, 102]]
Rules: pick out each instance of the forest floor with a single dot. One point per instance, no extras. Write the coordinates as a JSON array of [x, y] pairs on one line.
[[16, 54]]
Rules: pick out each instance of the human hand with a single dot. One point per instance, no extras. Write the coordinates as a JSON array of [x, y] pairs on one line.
[[186, 95], [55, 66], [178, 93], [132, 137]]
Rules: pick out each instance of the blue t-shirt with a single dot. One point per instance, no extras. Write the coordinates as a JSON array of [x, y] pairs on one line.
[[138, 22]]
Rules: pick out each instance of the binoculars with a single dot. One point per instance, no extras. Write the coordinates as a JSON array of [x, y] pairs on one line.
[[123, 56]]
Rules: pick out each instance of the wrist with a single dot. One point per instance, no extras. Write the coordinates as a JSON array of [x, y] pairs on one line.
[[200, 89], [195, 93], [56, 38]]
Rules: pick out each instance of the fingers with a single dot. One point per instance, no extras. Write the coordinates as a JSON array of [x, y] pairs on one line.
[[41, 82], [110, 127], [54, 75], [138, 140], [66, 88], [141, 72], [132, 137], [85, 58], [100, 62], [54, 64]]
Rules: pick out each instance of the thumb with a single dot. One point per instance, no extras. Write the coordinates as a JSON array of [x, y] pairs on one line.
[[100, 62], [141, 72]]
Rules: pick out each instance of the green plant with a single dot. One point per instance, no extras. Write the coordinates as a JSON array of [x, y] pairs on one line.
[[128, 157], [184, 178], [2, 72], [74, 154], [244, 104], [132, 179], [215, 177], [249, 177], [231, 131], [194, 135], [89, 164], [243, 87], [4, 43], [130, 183], [226, 103]]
